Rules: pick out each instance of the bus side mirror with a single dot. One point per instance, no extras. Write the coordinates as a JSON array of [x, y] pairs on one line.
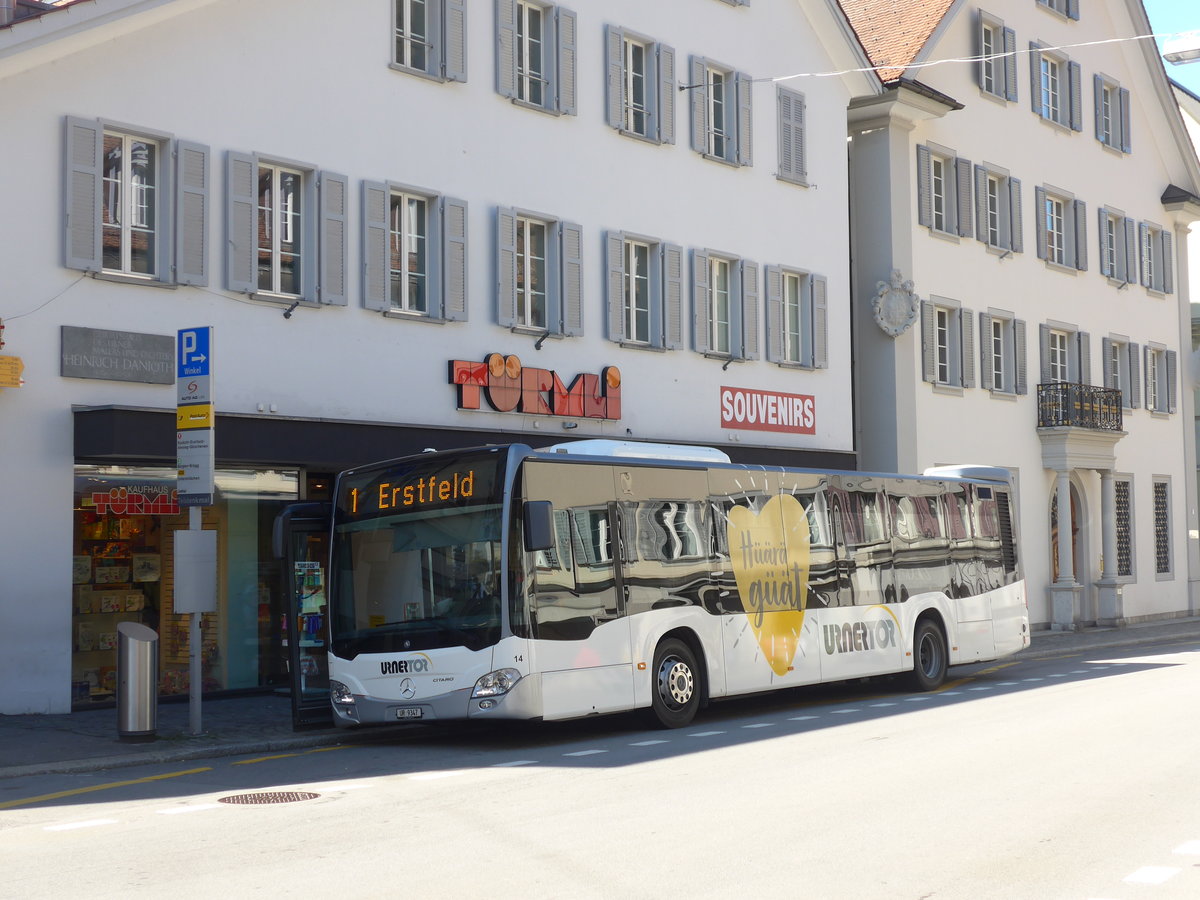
[[539, 525]]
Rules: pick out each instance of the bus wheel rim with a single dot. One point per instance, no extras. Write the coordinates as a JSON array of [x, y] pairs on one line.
[[675, 682]]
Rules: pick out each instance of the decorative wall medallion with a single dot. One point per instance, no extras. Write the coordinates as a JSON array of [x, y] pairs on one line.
[[896, 305]]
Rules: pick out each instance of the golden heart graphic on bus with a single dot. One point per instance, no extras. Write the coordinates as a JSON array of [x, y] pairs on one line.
[[769, 553]]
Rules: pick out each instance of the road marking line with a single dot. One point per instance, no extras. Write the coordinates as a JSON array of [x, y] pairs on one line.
[[982, 687], [515, 762], [759, 725], [1081, 671], [1191, 848], [646, 743], [433, 776], [917, 699], [800, 718], [71, 826], [845, 712], [1151, 875], [1039, 678], [704, 733], [949, 693], [1006, 684], [250, 762], [1058, 674], [180, 810], [585, 753], [9, 804], [882, 704]]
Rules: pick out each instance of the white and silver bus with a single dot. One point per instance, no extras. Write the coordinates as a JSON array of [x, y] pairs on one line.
[[510, 583]]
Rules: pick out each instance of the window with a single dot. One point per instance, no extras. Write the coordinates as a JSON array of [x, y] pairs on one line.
[[1066, 354], [414, 252], [721, 112], [724, 305], [997, 58], [1002, 361], [943, 191], [287, 230], [998, 209], [541, 273], [1112, 114], [1162, 526], [137, 204], [1124, 506], [1121, 368], [535, 62], [641, 86], [1161, 378], [797, 318], [1068, 8], [1061, 228], [947, 343], [1155, 245], [429, 38], [644, 291], [793, 165], [1056, 87], [1118, 246]]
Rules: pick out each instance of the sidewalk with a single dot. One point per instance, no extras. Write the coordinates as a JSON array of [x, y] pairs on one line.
[[88, 741]]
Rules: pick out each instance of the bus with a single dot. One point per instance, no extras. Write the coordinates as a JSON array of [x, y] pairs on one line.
[[591, 577]]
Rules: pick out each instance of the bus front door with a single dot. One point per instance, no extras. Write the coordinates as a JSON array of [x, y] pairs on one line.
[[301, 542]]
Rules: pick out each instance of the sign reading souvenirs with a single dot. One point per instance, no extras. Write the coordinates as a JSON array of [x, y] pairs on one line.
[[510, 387], [752, 410], [194, 453]]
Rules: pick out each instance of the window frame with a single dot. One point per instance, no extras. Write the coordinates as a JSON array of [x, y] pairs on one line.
[[1160, 373], [1112, 113], [445, 40], [1065, 353], [955, 193], [811, 312], [947, 343], [658, 84], [564, 274], [1163, 532], [1063, 106], [1126, 534], [1068, 228], [743, 314], [1005, 211], [1121, 368], [997, 63], [1068, 9], [736, 112], [558, 41], [1002, 339], [1156, 260], [665, 291]]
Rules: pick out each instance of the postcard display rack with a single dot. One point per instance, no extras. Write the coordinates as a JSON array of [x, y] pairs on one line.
[[122, 572]]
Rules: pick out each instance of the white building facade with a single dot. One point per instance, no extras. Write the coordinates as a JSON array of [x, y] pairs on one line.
[[471, 222], [1035, 204]]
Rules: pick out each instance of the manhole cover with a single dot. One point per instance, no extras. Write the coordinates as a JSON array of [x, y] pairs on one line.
[[269, 797]]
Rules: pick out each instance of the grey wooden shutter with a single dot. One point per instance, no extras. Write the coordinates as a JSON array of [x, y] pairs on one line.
[[820, 321], [928, 342], [454, 40], [1106, 347], [191, 213], [966, 323], [962, 168], [1102, 241], [1073, 9], [982, 231], [985, 348], [614, 274], [506, 48], [83, 153], [1039, 200], [1131, 251], [566, 30], [1019, 356], [506, 266], [614, 82], [1084, 349], [1073, 74], [1142, 231], [981, 64], [1135, 382], [698, 94], [1168, 272], [572, 278], [924, 188], [1098, 107], [776, 323], [454, 259], [744, 88], [1081, 253], [1044, 346], [376, 262], [751, 325], [666, 94], [1148, 361], [241, 207], [1016, 223], [1126, 137], [1172, 379], [333, 205], [1010, 65], [1035, 76], [673, 296], [792, 163], [701, 301]]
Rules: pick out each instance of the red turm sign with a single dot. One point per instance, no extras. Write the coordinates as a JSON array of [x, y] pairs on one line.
[[510, 387], [752, 410]]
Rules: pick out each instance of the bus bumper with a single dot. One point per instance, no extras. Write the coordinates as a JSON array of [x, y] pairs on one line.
[[523, 701]]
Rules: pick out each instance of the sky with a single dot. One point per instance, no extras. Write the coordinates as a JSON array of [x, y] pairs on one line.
[[1171, 16]]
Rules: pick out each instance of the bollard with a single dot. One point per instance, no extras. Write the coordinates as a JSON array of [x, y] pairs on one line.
[[137, 682]]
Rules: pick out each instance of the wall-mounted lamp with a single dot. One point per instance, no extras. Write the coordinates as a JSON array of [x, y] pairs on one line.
[[540, 341], [287, 313], [569, 425]]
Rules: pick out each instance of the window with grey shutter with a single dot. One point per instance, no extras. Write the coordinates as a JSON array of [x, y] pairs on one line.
[[792, 162], [375, 245], [614, 284], [650, 115], [701, 302], [536, 48], [332, 198], [722, 114], [995, 45], [565, 32], [666, 93], [506, 48], [1015, 217], [929, 344], [820, 319], [429, 38], [506, 267], [751, 327], [84, 150], [1172, 379], [191, 214], [571, 256], [672, 266], [962, 168], [453, 264], [241, 206], [1019, 356], [744, 85]]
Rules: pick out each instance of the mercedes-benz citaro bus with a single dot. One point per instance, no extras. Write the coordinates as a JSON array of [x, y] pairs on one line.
[[504, 582]]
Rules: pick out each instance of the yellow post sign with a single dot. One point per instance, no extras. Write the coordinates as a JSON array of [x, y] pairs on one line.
[[11, 368]]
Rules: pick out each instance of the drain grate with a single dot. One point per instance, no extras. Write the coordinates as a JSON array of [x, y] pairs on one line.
[[263, 797]]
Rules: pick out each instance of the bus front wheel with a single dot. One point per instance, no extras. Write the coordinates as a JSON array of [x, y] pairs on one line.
[[929, 656], [676, 688]]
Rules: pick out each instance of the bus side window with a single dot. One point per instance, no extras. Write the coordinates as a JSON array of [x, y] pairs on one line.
[[555, 567]]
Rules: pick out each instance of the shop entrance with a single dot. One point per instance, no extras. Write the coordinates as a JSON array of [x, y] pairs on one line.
[[302, 544]]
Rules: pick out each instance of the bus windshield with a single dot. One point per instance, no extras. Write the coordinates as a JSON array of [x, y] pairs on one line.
[[416, 556]]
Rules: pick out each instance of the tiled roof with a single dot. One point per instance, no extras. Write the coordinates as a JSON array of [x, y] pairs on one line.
[[894, 31]]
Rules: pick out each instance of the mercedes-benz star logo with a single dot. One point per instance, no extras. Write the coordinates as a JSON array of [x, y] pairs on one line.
[[408, 690]]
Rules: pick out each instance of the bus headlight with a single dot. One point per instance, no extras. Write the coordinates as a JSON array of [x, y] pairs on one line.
[[339, 693], [493, 684]]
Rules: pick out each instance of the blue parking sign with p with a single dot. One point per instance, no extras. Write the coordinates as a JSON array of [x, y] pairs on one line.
[[192, 356]]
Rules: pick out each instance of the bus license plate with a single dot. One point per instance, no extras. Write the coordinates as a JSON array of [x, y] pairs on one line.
[[409, 712]]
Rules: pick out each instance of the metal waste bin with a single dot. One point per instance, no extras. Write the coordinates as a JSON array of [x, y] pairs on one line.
[[137, 682]]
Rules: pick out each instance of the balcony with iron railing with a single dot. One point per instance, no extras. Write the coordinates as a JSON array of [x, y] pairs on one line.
[[1064, 404]]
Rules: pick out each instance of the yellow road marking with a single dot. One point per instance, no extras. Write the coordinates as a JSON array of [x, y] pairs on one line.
[[9, 804], [960, 682], [247, 762]]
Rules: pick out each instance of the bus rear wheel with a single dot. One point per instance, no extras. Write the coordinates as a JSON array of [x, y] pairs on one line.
[[930, 659], [676, 688]]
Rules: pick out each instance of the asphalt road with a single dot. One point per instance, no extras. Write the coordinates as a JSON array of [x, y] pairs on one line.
[[1071, 777]]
